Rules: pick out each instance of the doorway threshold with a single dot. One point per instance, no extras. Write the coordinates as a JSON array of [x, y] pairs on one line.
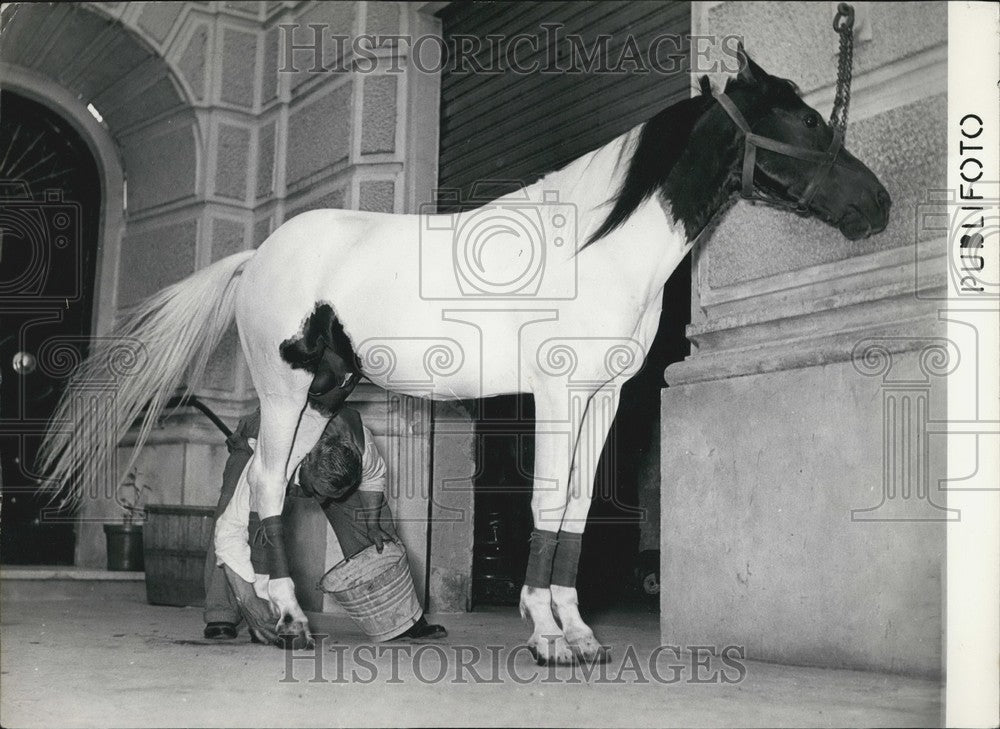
[[68, 582]]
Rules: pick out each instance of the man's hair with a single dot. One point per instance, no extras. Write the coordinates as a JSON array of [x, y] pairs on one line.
[[332, 469]]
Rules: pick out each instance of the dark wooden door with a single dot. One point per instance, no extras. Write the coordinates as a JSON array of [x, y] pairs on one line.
[[50, 196]]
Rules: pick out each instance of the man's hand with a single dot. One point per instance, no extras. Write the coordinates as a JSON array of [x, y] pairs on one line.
[[257, 612], [370, 514], [260, 584]]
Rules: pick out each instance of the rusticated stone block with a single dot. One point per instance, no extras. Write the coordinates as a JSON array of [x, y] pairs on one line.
[[906, 147], [155, 258], [158, 18], [239, 67], [265, 161], [227, 237], [269, 73], [160, 169], [332, 199], [796, 39], [377, 196], [231, 161], [378, 124], [220, 373], [381, 18], [192, 61], [261, 230], [319, 133], [203, 467], [336, 19]]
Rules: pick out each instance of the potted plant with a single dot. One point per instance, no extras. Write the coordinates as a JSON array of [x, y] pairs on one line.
[[124, 540]]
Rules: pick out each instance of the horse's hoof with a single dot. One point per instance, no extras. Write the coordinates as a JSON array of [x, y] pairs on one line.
[[592, 657], [295, 637], [588, 650], [295, 641], [551, 660], [555, 653]]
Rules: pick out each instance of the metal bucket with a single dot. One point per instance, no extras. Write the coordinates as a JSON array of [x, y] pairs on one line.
[[376, 590]]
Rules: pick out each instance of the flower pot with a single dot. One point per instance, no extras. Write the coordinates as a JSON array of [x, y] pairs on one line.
[[124, 547]]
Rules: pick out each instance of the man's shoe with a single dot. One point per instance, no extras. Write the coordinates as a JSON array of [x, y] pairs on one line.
[[422, 630], [220, 631]]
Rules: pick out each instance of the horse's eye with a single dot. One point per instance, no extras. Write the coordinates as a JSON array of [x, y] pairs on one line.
[[810, 120]]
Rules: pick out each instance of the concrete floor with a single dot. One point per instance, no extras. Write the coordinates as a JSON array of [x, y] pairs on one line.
[[95, 662]]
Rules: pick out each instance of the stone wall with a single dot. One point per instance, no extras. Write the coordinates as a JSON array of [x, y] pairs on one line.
[[770, 535]]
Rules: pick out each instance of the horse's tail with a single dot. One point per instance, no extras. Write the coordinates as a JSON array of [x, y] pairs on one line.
[[141, 364]]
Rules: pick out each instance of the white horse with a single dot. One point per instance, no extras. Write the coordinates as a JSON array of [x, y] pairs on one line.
[[554, 291]]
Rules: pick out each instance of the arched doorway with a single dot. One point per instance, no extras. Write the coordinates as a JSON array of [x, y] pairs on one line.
[[50, 210]]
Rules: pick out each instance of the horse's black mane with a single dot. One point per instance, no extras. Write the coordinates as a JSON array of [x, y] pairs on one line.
[[662, 141], [696, 182]]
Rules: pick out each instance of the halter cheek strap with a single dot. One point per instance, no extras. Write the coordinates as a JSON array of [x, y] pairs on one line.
[[825, 160]]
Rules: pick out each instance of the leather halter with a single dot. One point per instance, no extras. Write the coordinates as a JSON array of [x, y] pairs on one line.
[[825, 160]]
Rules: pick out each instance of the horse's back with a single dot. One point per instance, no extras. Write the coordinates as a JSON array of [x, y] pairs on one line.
[[332, 229], [346, 258]]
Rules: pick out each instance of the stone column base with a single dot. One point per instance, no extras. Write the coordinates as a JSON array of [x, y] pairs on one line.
[[764, 479]]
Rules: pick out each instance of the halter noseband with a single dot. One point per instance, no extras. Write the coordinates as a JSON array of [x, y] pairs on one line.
[[825, 160]]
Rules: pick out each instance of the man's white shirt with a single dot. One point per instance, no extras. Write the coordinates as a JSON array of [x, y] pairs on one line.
[[232, 547]]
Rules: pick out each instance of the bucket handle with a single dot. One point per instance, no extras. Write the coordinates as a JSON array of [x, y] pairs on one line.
[[386, 541], [345, 560]]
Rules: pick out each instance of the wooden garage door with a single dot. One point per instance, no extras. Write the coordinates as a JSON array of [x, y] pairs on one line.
[[519, 126]]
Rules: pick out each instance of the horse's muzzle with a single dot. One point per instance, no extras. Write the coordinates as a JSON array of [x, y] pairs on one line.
[[868, 217]]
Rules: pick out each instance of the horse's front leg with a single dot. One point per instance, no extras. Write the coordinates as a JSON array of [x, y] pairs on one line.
[[278, 456], [556, 428], [292, 626], [600, 414]]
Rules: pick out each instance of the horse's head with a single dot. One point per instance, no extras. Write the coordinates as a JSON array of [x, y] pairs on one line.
[[817, 177], [758, 137]]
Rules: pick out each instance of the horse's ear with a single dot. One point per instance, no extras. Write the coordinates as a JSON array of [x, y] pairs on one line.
[[750, 72], [706, 86]]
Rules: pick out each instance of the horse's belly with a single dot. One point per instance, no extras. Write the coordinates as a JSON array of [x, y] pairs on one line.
[[466, 353], [438, 363], [427, 350]]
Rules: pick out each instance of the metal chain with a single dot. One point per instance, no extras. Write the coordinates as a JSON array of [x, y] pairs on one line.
[[843, 23]]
